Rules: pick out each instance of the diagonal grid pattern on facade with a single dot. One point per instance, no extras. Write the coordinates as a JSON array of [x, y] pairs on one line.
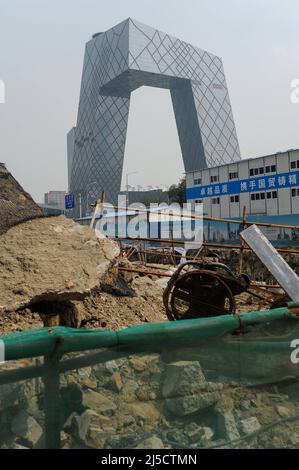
[[118, 62]]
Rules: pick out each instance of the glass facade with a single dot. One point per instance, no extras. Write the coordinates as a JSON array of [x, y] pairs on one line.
[[123, 59]]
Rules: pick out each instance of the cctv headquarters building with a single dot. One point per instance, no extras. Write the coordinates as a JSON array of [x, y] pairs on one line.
[[116, 63]]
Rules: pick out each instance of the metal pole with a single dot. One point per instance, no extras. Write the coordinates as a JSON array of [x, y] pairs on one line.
[[205, 244], [52, 402], [242, 242], [80, 205], [217, 219]]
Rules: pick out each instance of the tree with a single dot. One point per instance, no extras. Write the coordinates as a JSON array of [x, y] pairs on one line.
[[177, 192]]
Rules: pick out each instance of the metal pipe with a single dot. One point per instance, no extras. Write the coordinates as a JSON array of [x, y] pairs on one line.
[[205, 217], [139, 271], [254, 284], [242, 243], [206, 244]]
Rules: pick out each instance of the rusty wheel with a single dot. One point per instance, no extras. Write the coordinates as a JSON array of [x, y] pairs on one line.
[[198, 294]]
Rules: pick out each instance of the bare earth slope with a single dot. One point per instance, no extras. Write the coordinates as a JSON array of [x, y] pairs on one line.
[[15, 204]]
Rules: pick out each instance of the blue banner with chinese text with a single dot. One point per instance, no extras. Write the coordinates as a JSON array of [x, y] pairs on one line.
[[262, 183]]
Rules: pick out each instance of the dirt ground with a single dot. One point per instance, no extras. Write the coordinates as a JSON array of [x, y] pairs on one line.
[[104, 310]]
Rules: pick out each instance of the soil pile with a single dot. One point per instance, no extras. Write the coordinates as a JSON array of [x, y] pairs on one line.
[[52, 260], [15, 204]]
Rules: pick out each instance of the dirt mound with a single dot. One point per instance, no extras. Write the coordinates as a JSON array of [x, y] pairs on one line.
[[50, 260], [102, 310], [15, 204], [105, 309]]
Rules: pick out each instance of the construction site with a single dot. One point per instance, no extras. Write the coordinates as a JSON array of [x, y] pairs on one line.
[[149, 230], [113, 344]]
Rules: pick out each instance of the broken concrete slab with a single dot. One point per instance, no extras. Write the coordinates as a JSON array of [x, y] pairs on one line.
[[227, 427], [182, 378], [84, 422], [98, 402], [25, 426], [52, 260], [184, 406]]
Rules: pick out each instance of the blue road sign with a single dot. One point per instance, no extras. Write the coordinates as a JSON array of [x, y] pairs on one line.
[[70, 201]]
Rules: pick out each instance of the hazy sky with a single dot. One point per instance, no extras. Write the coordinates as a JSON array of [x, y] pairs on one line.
[[41, 55]]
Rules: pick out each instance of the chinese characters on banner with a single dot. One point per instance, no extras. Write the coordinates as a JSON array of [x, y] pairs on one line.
[[285, 180]]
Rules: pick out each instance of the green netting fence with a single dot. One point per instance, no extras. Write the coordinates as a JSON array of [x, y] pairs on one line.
[[204, 383]]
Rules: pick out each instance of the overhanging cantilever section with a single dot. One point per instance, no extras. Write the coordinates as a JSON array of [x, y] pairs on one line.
[[125, 58]]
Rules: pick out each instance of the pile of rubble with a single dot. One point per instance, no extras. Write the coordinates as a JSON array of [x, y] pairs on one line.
[[16, 205], [107, 308], [56, 272], [48, 263], [49, 266], [104, 307], [143, 402], [252, 265]]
